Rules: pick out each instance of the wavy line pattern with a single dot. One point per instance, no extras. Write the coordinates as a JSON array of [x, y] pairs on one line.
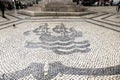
[[59, 43], [62, 44], [37, 70], [35, 45], [65, 48], [72, 51]]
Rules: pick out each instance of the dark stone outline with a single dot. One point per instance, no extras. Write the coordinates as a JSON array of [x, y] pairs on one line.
[[106, 23], [105, 18], [103, 26], [11, 25], [37, 71], [26, 20]]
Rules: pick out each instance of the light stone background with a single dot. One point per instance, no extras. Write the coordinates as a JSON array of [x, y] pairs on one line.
[[104, 45]]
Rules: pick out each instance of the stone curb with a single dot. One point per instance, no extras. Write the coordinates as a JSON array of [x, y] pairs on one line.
[[46, 13]]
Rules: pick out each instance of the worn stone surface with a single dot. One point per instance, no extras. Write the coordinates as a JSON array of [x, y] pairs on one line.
[[39, 61]]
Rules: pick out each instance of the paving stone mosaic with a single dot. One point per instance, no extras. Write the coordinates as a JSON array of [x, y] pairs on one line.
[[46, 50], [60, 48], [114, 18], [61, 40]]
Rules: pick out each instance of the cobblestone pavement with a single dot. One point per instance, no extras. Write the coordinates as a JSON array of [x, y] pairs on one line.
[[60, 48]]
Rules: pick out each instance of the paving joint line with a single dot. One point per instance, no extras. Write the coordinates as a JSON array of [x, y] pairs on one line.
[[9, 22], [98, 15], [107, 16], [14, 16], [103, 26], [104, 18], [106, 23], [111, 21], [10, 25]]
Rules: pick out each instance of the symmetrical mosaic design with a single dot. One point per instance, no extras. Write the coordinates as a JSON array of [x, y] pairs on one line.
[[60, 40]]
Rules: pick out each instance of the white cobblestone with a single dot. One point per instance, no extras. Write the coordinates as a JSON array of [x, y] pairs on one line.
[[15, 57]]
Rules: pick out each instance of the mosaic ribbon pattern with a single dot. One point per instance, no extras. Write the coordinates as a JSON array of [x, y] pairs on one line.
[[37, 71]]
